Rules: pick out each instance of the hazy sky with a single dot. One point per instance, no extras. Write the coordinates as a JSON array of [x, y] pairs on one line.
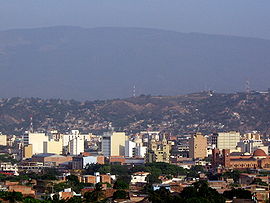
[[233, 17]]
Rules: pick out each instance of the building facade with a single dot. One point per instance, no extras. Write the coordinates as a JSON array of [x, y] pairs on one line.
[[113, 144], [198, 146], [228, 140]]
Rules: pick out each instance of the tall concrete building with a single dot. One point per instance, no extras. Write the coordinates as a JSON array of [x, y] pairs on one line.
[[76, 146], [74, 133], [228, 140], [113, 144], [53, 147], [3, 140], [36, 140], [198, 146], [135, 149], [27, 151], [130, 149], [159, 151], [72, 143]]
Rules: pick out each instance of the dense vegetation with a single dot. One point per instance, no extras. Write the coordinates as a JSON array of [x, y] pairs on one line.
[[124, 172]]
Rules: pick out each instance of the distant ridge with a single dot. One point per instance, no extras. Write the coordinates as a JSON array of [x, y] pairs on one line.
[[184, 114], [102, 63]]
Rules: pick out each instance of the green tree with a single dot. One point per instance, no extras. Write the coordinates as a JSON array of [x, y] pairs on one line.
[[120, 194], [12, 197], [164, 196], [202, 192], [238, 193], [30, 200], [120, 184], [235, 174], [96, 195]]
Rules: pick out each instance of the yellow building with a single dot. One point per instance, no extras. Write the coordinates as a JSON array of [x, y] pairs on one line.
[[159, 151], [113, 144], [36, 140], [54, 147], [3, 140], [197, 146], [27, 151]]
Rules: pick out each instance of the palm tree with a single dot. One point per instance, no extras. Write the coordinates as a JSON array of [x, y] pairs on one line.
[[95, 195]]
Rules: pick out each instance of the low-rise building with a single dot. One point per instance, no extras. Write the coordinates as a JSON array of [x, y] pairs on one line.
[[52, 159], [139, 177], [80, 162], [96, 178]]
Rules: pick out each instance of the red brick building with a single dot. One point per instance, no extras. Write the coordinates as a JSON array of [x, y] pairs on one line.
[[259, 160]]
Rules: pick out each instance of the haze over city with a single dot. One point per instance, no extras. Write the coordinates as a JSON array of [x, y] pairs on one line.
[[148, 101], [58, 60]]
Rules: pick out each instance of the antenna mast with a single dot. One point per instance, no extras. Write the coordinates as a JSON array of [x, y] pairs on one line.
[[247, 87], [31, 129], [134, 91]]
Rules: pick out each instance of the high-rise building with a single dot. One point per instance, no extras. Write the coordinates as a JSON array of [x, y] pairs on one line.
[[135, 149], [27, 151], [36, 140], [70, 140], [159, 151], [53, 147], [113, 144], [197, 146], [130, 149], [228, 140], [3, 140], [76, 146]]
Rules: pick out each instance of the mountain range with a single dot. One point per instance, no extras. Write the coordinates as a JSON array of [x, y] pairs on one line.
[[206, 112], [104, 63]]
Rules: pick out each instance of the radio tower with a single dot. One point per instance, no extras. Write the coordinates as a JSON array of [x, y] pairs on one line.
[[31, 129], [134, 91], [247, 89]]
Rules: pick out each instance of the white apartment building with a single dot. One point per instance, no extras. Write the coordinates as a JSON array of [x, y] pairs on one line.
[[73, 143], [76, 146], [130, 148], [133, 149]]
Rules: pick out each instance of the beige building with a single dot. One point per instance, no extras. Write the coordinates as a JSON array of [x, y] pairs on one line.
[[36, 140], [197, 146], [54, 147], [113, 144], [228, 140], [3, 140], [27, 151], [159, 151]]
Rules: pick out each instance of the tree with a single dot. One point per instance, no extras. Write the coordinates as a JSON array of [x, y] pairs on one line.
[[30, 200], [12, 197], [153, 178], [164, 196], [120, 194], [202, 192], [238, 193], [235, 174], [72, 178], [95, 195], [120, 184]]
